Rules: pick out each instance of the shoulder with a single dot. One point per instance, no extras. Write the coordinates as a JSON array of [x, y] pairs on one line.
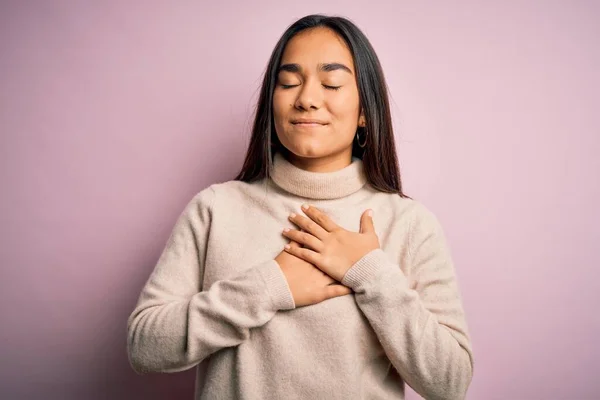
[[415, 211], [232, 187], [422, 216], [199, 210], [419, 217], [222, 192], [425, 231], [202, 200]]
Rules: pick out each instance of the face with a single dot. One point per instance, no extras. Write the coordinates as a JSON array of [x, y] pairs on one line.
[[316, 104]]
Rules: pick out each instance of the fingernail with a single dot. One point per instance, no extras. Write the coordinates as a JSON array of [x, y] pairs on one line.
[[305, 206], [286, 229], [287, 246], [292, 215], [370, 213]]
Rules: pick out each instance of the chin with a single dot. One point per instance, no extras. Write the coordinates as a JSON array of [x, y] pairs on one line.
[[308, 150]]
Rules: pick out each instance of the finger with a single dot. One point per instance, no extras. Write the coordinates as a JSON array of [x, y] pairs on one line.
[[299, 245], [320, 218], [305, 254], [366, 222], [308, 225], [304, 239], [336, 290]]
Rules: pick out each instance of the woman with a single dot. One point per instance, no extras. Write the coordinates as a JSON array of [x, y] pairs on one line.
[[362, 299]]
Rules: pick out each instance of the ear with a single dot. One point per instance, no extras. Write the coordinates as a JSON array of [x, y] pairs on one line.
[[362, 122]]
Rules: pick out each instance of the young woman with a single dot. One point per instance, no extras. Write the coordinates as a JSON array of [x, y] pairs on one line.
[[311, 275]]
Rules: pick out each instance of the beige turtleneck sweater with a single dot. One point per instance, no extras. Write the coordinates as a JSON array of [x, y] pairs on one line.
[[216, 298]]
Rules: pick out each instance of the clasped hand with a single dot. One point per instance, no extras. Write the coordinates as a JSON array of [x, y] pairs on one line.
[[326, 245]]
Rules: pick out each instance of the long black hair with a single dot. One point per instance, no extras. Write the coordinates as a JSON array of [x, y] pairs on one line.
[[378, 154]]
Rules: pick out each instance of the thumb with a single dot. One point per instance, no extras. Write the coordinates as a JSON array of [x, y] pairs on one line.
[[366, 222], [336, 290]]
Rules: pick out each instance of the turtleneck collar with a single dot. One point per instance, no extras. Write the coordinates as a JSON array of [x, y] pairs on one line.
[[318, 185]]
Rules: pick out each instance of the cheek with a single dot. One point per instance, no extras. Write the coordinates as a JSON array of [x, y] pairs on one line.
[[345, 109], [276, 104], [281, 103]]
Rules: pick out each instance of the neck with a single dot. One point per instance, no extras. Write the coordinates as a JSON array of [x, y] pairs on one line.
[[335, 184], [331, 163]]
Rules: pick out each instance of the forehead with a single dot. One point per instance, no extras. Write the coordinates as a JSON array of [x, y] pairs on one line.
[[317, 45]]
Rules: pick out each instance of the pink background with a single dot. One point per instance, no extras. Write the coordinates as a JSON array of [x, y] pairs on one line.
[[113, 114]]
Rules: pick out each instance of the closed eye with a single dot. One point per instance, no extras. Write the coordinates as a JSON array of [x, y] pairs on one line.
[[325, 86]]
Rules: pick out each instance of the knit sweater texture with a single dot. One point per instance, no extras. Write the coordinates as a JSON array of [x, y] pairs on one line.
[[218, 301]]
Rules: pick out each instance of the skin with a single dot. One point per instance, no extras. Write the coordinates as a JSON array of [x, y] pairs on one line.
[[320, 252], [331, 248], [307, 91]]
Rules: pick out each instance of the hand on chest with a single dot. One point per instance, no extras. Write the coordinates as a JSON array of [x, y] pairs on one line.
[[244, 238]]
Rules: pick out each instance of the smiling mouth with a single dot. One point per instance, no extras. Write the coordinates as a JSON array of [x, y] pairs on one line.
[[308, 124]]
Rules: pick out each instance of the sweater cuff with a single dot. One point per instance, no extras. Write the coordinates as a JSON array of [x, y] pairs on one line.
[[277, 286], [367, 269]]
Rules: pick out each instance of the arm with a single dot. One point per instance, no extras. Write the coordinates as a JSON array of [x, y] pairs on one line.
[[421, 327], [174, 325]]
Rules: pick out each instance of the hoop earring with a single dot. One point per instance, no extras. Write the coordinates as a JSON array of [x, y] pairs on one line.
[[358, 140]]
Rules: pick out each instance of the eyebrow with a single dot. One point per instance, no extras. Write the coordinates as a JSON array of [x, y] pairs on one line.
[[325, 67]]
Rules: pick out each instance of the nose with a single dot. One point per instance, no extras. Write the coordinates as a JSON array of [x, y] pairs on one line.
[[309, 96]]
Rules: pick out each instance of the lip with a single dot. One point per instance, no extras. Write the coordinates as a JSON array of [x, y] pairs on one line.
[[308, 125], [308, 122]]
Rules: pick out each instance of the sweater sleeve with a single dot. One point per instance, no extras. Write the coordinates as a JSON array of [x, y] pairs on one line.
[[418, 319], [175, 325]]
